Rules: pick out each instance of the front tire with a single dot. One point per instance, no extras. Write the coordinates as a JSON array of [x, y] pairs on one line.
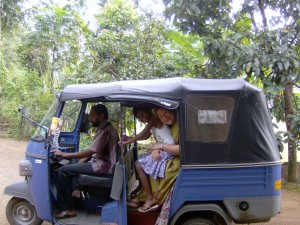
[[20, 212], [198, 221]]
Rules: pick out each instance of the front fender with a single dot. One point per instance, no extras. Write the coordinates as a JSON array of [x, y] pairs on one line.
[[19, 189]]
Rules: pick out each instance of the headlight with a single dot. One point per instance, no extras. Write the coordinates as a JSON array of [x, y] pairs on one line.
[[25, 168]]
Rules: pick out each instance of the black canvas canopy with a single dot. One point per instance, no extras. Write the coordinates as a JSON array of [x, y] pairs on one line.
[[250, 136], [169, 88]]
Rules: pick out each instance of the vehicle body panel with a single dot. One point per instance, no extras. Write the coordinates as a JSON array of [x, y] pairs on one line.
[[222, 185], [37, 154]]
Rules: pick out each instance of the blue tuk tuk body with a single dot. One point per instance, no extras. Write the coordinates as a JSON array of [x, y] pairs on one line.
[[230, 164]]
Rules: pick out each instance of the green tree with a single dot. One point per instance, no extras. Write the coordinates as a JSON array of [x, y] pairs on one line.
[[10, 14], [54, 47], [261, 51], [131, 45], [19, 87], [32, 58], [54, 43]]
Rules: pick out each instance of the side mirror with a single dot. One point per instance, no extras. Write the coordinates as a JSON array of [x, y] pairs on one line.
[[85, 124], [21, 109]]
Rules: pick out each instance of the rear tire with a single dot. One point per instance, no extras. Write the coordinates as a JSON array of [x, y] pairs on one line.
[[198, 221], [20, 212]]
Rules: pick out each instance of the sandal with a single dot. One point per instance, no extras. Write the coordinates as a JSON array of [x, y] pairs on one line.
[[65, 214], [148, 208]]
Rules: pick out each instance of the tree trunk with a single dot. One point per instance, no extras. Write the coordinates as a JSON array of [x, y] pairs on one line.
[[292, 151]]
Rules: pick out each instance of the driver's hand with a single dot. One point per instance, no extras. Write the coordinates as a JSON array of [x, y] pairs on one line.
[[57, 153]]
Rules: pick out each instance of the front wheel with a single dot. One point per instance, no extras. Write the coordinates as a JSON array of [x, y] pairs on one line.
[[198, 221], [20, 212]]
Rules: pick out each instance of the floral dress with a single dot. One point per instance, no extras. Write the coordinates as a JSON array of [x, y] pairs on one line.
[[156, 169]]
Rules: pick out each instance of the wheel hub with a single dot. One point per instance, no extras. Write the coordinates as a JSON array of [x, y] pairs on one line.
[[23, 213]]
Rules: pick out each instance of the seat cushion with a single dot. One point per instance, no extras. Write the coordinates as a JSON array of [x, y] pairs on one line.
[[99, 181]]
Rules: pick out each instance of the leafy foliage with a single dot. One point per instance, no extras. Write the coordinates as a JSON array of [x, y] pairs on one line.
[[200, 17], [55, 47], [239, 45], [10, 14]]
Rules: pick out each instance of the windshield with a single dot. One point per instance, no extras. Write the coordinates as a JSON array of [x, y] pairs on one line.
[[46, 121], [70, 115]]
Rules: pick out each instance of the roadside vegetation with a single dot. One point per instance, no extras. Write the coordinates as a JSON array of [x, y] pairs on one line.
[[291, 187]]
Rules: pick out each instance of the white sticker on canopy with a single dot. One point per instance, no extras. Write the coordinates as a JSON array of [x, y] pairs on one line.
[[212, 117]]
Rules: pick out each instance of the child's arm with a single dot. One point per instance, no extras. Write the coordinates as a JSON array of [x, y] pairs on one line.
[[171, 148], [143, 135]]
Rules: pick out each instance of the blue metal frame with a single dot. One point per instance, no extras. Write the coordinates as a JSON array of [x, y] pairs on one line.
[[37, 154], [196, 185]]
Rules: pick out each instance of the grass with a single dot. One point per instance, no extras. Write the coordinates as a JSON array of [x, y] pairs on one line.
[[291, 186]]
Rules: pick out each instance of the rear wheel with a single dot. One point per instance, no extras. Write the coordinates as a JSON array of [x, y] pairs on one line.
[[20, 212], [198, 221]]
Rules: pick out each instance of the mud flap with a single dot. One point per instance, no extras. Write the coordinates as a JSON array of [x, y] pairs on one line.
[[117, 184], [118, 193]]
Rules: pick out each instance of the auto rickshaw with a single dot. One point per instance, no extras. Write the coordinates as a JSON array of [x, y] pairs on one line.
[[230, 167]]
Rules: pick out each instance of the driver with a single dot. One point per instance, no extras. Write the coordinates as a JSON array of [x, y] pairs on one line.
[[102, 152]]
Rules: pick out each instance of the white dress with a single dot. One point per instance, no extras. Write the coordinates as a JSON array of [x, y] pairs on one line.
[[156, 169]]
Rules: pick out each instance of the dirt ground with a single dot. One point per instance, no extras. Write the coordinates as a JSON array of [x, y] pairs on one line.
[[11, 152]]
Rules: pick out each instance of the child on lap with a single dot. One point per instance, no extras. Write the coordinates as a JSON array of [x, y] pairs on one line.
[[146, 166]]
